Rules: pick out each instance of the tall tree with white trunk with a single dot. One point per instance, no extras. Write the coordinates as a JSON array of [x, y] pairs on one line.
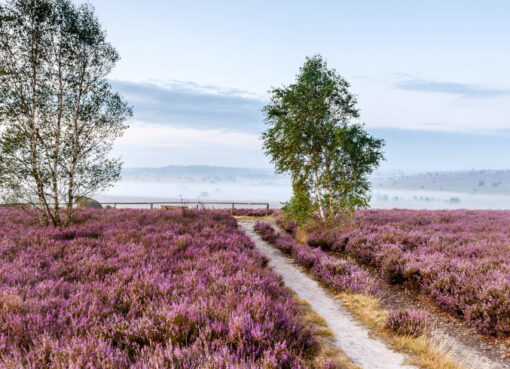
[[59, 115], [312, 135]]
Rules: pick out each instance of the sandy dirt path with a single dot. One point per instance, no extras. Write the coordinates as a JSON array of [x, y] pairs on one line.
[[350, 336]]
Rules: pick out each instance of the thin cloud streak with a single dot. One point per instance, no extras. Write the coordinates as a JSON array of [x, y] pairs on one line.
[[452, 88]]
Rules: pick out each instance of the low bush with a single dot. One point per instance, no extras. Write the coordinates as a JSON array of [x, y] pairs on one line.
[[409, 323], [288, 225], [255, 212]]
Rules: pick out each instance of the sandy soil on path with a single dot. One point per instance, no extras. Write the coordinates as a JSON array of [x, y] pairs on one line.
[[351, 337]]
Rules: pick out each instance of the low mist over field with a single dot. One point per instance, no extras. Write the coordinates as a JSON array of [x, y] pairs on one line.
[[475, 189], [201, 183]]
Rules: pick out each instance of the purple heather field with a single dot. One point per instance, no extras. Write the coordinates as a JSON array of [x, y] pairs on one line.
[[144, 289], [460, 259]]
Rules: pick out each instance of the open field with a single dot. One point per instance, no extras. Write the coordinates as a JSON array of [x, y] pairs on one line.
[[459, 259], [138, 288]]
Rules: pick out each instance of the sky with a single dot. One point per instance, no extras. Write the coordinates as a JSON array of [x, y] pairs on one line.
[[432, 78]]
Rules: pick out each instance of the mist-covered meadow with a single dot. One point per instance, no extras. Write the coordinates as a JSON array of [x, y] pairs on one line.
[[441, 190]]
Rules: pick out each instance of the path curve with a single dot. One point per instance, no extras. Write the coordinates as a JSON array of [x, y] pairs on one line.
[[350, 337]]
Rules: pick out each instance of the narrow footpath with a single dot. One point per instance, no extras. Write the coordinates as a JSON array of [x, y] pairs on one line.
[[350, 336]]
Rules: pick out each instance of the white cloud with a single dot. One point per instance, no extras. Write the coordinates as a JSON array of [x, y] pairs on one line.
[[156, 135]]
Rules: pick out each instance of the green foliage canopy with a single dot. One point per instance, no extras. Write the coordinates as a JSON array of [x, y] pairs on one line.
[[311, 136], [59, 115]]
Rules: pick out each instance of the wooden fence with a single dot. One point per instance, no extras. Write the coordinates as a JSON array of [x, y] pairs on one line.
[[180, 204], [187, 204]]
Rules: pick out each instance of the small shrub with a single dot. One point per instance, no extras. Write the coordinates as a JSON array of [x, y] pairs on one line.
[[285, 243], [326, 364], [392, 264], [322, 238], [288, 225], [267, 232], [66, 235], [409, 323]]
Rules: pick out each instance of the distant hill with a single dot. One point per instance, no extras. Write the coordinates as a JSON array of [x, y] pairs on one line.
[[474, 181]]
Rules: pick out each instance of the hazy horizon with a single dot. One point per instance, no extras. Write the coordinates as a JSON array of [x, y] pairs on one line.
[[469, 189]]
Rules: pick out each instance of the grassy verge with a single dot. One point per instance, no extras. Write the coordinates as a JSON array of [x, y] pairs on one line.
[[423, 352]]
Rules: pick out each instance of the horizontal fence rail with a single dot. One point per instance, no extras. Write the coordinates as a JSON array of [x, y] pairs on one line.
[[176, 204], [186, 204]]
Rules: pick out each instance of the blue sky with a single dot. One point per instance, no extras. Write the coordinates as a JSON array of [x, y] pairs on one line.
[[432, 78]]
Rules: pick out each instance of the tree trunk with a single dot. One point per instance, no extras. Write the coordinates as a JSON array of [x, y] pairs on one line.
[[70, 188], [33, 145], [56, 153], [319, 196], [70, 200]]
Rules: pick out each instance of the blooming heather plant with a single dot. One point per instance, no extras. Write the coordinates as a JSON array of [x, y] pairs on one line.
[[267, 232], [255, 212], [143, 289], [409, 323], [459, 258], [288, 225], [341, 275]]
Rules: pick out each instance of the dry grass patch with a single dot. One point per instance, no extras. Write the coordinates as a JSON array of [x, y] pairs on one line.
[[301, 236], [423, 352], [260, 218]]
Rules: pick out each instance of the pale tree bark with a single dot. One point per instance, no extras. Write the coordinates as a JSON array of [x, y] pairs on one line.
[[56, 152], [75, 151], [319, 194], [33, 140], [58, 113]]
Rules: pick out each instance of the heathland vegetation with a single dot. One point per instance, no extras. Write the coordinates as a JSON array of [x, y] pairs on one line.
[[187, 288], [460, 259], [144, 289]]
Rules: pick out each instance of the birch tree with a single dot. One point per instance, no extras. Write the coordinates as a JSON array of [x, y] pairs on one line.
[[312, 135], [58, 112]]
